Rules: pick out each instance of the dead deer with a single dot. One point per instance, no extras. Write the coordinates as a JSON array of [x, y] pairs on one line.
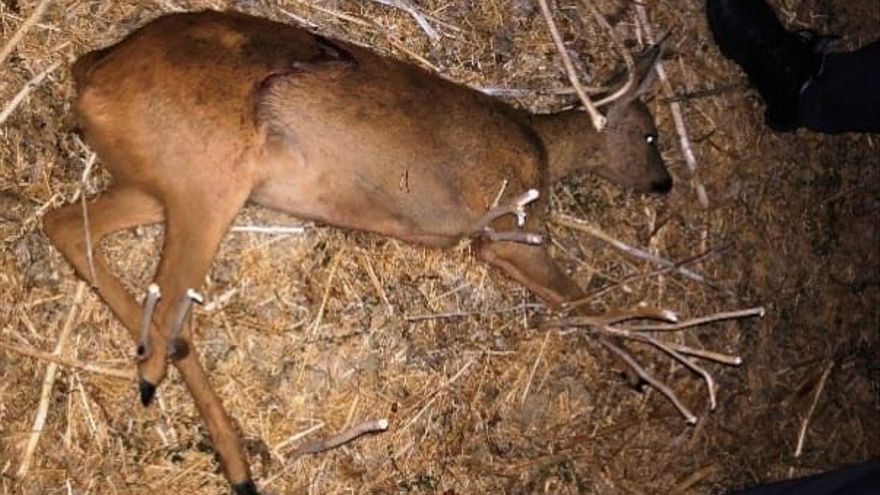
[[196, 114]]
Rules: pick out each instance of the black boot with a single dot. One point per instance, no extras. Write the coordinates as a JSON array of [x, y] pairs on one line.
[[779, 63]]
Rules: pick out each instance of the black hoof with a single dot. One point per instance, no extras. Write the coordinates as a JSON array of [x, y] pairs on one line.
[[245, 488], [148, 392]]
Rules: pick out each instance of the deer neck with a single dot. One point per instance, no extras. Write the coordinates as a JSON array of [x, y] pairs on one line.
[[570, 141]]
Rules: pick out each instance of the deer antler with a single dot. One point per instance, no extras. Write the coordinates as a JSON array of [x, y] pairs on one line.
[[610, 325], [143, 348], [598, 119], [516, 207], [177, 347]]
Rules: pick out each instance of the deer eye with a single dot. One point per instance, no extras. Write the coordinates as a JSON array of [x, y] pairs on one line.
[[651, 139]]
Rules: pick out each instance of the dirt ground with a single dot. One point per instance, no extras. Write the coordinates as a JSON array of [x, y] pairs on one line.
[[307, 334]]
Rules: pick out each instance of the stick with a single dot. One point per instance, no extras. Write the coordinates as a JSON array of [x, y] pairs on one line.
[[627, 57], [49, 383], [437, 392], [462, 314], [334, 265], [416, 14], [35, 16], [270, 230], [638, 276], [534, 369], [337, 14], [581, 225], [802, 435], [603, 326], [708, 355], [68, 363], [87, 231], [649, 378], [683, 139], [598, 119], [707, 377], [26, 90], [343, 438], [758, 311]]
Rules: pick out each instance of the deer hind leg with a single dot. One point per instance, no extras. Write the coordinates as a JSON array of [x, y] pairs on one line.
[[118, 208], [533, 267]]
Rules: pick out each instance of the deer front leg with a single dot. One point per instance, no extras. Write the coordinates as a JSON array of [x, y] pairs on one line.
[[196, 222]]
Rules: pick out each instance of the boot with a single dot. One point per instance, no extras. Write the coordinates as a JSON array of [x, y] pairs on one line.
[[779, 63]]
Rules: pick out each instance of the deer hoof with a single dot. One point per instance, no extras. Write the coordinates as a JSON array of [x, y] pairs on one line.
[[246, 487], [148, 392]]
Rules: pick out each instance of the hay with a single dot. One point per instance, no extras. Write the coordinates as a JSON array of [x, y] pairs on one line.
[[478, 398]]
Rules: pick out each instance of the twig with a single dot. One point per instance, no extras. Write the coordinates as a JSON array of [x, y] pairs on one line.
[[802, 435], [334, 265], [305, 22], [708, 355], [649, 378], [49, 383], [68, 363], [35, 16], [415, 56], [416, 14], [638, 276], [463, 314], [724, 315], [581, 225], [697, 476], [337, 14], [436, 393], [299, 435], [87, 230], [343, 438], [597, 118], [704, 93], [371, 274], [26, 90], [604, 327], [534, 368], [683, 139], [710, 382], [627, 57], [269, 230], [497, 91]]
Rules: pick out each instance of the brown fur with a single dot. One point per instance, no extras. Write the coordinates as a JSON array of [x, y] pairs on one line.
[[196, 114]]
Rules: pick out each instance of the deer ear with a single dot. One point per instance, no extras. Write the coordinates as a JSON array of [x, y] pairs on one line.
[[646, 63], [643, 72]]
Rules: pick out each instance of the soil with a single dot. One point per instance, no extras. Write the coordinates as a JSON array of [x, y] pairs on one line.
[[309, 334]]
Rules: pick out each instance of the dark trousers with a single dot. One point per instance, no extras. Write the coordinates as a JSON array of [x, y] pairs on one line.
[[845, 96], [861, 479]]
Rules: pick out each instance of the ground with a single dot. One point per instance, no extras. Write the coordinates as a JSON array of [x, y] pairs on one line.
[[307, 334]]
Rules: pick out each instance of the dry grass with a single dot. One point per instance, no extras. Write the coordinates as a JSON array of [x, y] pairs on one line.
[[483, 402]]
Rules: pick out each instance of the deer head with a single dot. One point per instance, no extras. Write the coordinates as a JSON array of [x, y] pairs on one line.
[[632, 156]]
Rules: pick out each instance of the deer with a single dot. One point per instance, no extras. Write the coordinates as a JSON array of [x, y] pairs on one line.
[[196, 114]]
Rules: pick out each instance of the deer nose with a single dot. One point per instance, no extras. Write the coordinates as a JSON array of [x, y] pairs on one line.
[[662, 186]]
